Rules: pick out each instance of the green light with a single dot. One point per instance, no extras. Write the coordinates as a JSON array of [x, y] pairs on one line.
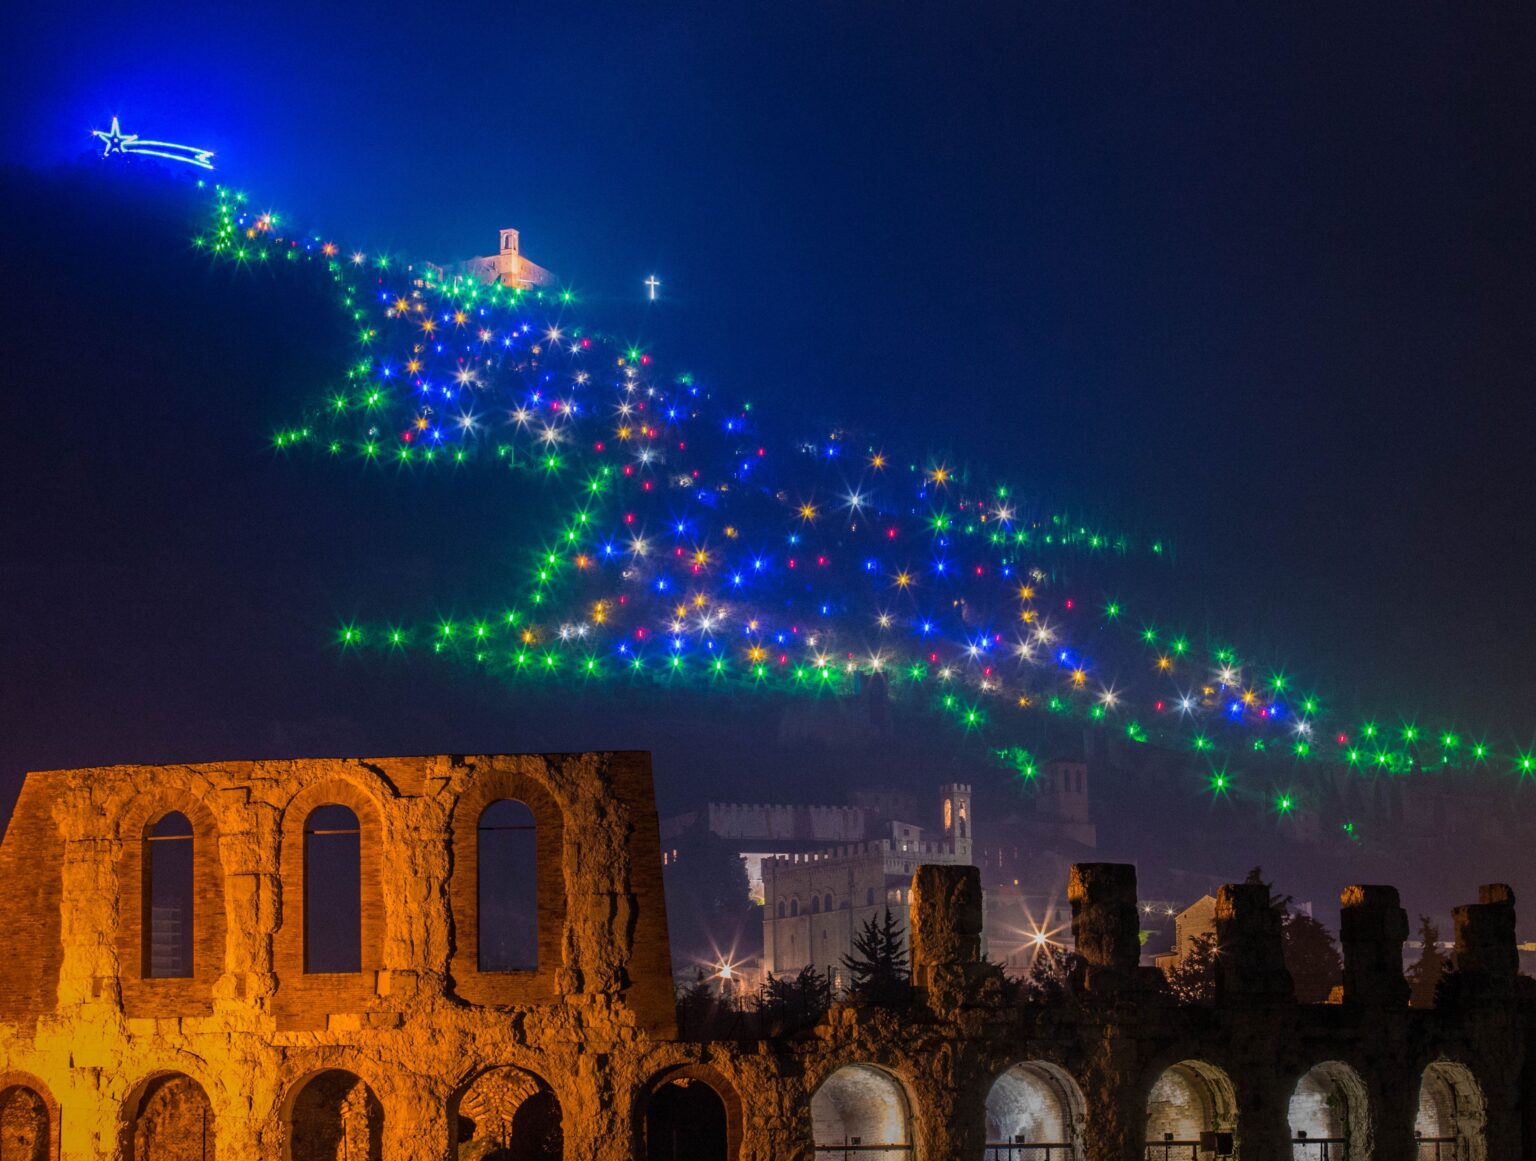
[[718, 665], [1449, 741], [1309, 705], [1180, 645], [1112, 610], [1278, 682], [1480, 751], [350, 635], [1370, 729], [1097, 713], [396, 638], [1301, 749], [1219, 782], [590, 665], [1284, 804], [1202, 743], [1149, 635], [1410, 733], [1354, 757]]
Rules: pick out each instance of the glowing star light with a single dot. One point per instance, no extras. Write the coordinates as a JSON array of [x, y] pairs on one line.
[[116, 142]]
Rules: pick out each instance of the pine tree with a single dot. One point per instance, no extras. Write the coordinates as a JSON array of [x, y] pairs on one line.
[[1193, 978], [1311, 958], [1424, 976], [1050, 974], [877, 969], [789, 1004]]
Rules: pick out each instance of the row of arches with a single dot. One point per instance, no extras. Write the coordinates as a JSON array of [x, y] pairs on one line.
[[504, 1114], [506, 866], [1034, 1110]]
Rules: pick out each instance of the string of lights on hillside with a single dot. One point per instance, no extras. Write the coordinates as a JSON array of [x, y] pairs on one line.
[[685, 546]]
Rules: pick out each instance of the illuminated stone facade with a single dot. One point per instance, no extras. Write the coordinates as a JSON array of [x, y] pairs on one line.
[[419, 1054]]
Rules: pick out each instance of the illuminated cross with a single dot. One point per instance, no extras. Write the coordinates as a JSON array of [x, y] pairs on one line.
[[653, 282]]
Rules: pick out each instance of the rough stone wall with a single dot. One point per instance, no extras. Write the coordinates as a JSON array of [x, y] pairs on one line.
[[413, 1058]]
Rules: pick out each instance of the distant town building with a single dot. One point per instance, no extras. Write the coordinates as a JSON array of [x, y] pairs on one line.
[[816, 901], [1196, 920], [507, 266]]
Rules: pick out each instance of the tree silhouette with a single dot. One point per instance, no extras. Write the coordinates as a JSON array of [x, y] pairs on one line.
[[1311, 958], [788, 1004], [877, 969], [1425, 974], [1192, 979], [1050, 974]]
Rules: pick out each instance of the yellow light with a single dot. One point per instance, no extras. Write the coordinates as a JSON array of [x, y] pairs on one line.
[[701, 558], [1079, 678], [877, 461], [807, 511], [757, 653], [1028, 616], [1165, 663], [939, 475], [903, 580], [1026, 593]]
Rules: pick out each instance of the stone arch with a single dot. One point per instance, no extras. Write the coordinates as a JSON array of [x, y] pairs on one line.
[[169, 1119], [546, 892], [1190, 1098], [865, 1106], [1452, 1115], [1035, 1103], [690, 1113], [507, 1114], [333, 1115], [28, 1118], [167, 996], [1330, 1103], [305, 1000]]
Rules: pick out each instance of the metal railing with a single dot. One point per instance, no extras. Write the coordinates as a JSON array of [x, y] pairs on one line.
[[1031, 1151], [1438, 1148], [1304, 1148], [855, 1150], [1169, 1150]]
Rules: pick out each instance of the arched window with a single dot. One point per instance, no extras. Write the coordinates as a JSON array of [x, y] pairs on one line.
[[1038, 1106], [685, 1120], [1328, 1110], [509, 1113], [23, 1125], [861, 1111], [781, 909], [507, 874], [815, 904], [168, 898], [336, 1115], [826, 904], [1189, 1099], [333, 885], [172, 1121], [869, 897], [794, 907]]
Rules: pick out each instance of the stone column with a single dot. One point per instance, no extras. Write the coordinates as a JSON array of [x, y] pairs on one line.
[[1372, 929], [1485, 937], [1105, 924], [1250, 950]]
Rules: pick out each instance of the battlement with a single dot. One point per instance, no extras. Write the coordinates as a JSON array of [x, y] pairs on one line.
[[165, 994]]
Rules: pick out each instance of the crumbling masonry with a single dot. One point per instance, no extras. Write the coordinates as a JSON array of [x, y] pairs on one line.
[[132, 1027]]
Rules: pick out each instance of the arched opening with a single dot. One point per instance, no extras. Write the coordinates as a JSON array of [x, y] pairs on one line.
[[860, 1114], [1328, 1115], [336, 1117], [333, 887], [23, 1125], [507, 1114], [1034, 1111], [1190, 1100], [172, 1121], [168, 917], [1452, 1115], [685, 1121], [507, 874]]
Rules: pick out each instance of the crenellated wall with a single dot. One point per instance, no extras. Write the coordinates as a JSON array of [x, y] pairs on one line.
[[422, 1055]]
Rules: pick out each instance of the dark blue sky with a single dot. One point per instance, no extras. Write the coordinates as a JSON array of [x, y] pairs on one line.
[[1258, 278]]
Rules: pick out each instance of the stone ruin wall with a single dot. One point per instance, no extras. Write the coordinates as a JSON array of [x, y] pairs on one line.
[[238, 1060]]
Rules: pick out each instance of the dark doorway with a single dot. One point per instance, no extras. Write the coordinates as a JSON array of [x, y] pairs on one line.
[[685, 1121]]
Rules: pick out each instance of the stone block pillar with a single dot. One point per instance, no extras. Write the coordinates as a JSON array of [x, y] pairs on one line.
[[1485, 937], [1105, 923], [1372, 929], [945, 924], [1250, 950]]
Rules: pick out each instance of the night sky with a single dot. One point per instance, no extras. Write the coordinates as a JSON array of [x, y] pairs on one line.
[[1261, 282]]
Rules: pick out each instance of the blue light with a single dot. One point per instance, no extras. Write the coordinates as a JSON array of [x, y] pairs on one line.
[[120, 143]]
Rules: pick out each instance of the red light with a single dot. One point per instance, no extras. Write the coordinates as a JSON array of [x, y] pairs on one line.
[[598, 445], [586, 344], [791, 562], [1343, 739], [645, 360], [890, 534], [1159, 707], [1069, 602], [629, 517]]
